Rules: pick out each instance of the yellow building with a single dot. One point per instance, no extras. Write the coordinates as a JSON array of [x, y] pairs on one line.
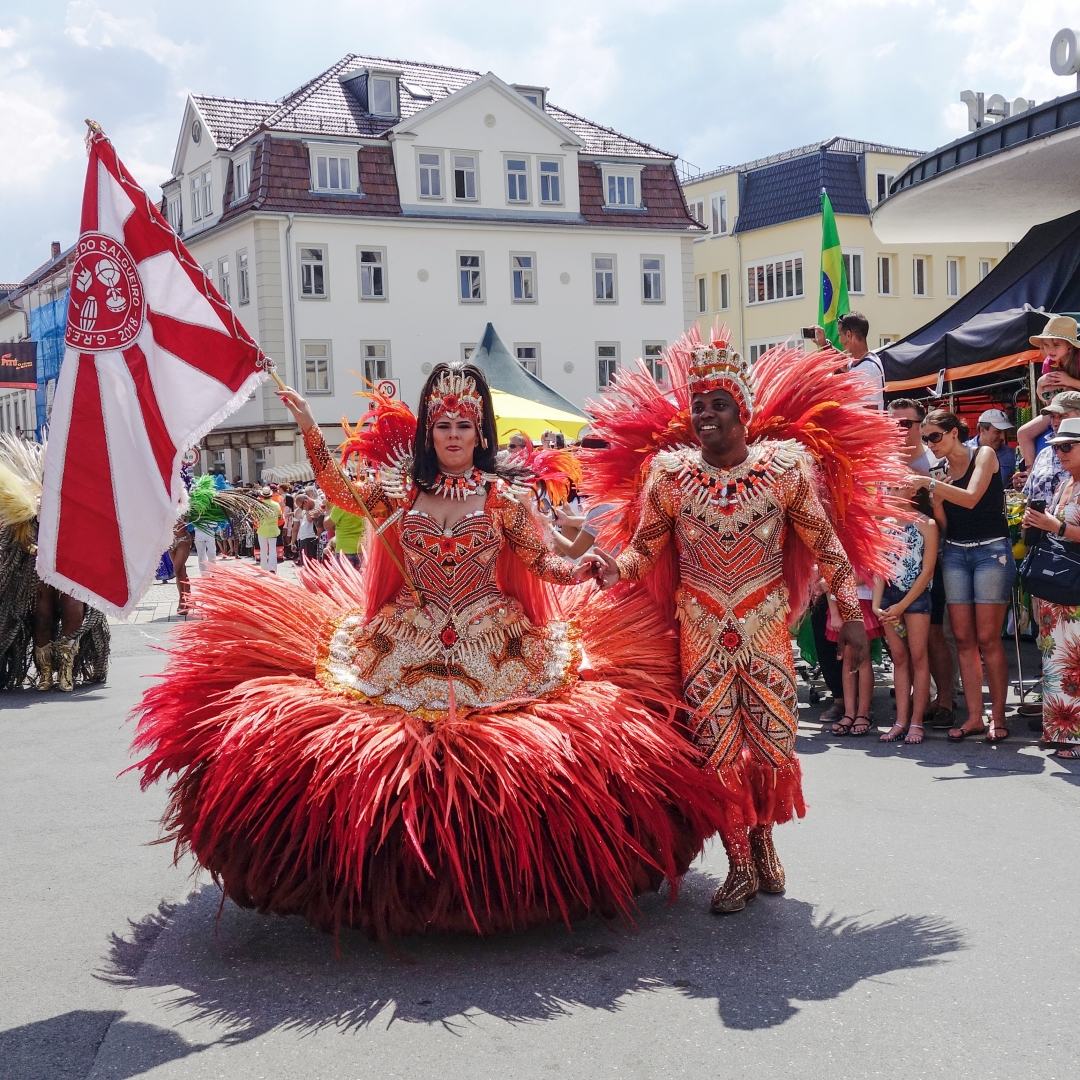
[[757, 266]]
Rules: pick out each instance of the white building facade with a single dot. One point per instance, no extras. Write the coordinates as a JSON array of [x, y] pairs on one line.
[[372, 223]]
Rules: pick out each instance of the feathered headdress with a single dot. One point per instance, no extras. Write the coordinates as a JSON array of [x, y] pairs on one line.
[[717, 366], [210, 505], [854, 452]]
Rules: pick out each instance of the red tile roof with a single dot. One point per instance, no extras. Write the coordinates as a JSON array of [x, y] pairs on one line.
[[662, 199]]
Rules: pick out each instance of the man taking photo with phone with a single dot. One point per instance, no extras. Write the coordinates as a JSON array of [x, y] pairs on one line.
[[853, 328]]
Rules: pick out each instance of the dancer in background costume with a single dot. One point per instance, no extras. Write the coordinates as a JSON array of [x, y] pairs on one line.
[[724, 509], [425, 746], [67, 640]]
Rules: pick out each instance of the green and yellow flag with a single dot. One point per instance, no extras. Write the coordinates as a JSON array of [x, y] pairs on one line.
[[834, 295]]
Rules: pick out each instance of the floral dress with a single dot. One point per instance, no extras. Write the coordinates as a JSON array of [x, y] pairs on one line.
[[1059, 642]]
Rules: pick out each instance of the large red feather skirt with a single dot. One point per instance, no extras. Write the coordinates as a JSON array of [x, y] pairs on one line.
[[300, 800]]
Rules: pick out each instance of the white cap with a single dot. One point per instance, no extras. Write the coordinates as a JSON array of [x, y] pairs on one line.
[[996, 418]]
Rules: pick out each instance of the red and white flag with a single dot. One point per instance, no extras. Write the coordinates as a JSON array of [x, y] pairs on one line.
[[154, 359]]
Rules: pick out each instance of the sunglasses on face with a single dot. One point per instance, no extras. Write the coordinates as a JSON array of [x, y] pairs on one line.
[[1064, 447], [907, 425], [933, 438]]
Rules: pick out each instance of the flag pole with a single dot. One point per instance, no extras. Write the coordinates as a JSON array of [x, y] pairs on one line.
[[353, 490]]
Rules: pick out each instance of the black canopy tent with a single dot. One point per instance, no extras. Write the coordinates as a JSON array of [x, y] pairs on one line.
[[986, 331]]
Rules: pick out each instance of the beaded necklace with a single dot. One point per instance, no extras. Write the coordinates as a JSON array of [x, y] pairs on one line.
[[458, 487]]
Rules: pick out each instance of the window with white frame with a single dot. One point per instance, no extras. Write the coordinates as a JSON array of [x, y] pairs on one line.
[[884, 180], [652, 279], [217, 462], [202, 199], [430, 165], [621, 188], [208, 270], [316, 358], [853, 269], [243, 290], [952, 277], [652, 352], [465, 177], [725, 292], [313, 273], [381, 96], [551, 182], [376, 355], [260, 458], [523, 275], [702, 290], [241, 178], [886, 339], [517, 180], [528, 356], [985, 266], [372, 263], [604, 279], [718, 213], [224, 280], [920, 277], [886, 276], [760, 347], [697, 210], [780, 278], [467, 351], [470, 277], [333, 173], [173, 213], [607, 362]]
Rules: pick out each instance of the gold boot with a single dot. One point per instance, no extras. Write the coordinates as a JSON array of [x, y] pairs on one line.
[[65, 650], [43, 661], [740, 888], [770, 871]]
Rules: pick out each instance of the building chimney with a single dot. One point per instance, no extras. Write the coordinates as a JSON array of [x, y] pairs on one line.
[[56, 249]]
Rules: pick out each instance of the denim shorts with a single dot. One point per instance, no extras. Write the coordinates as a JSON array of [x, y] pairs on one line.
[[981, 574], [919, 606]]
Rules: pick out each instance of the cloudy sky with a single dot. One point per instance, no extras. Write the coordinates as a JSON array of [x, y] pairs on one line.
[[715, 81]]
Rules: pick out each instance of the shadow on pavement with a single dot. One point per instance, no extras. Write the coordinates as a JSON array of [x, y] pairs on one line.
[[254, 973], [64, 1046]]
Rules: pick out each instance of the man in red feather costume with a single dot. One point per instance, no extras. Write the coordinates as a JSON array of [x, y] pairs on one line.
[[746, 520]]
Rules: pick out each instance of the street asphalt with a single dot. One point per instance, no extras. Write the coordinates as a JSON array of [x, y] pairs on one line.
[[928, 931]]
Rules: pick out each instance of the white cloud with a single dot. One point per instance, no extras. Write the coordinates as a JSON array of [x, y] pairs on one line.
[[91, 27]]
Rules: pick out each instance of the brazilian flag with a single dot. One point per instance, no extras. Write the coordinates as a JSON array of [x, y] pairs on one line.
[[834, 295]]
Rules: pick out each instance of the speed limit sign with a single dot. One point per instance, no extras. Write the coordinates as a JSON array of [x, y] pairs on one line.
[[388, 387], [190, 457]]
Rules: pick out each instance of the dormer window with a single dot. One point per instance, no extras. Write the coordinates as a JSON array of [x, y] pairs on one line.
[[242, 178], [381, 96], [333, 170], [622, 186], [535, 95]]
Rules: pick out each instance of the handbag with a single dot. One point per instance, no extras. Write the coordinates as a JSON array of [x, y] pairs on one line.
[[1051, 571]]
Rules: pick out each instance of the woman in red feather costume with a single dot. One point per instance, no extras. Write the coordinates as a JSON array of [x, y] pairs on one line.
[[728, 486], [401, 753]]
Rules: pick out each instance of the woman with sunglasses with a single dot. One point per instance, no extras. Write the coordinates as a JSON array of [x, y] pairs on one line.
[[977, 567], [1059, 627]]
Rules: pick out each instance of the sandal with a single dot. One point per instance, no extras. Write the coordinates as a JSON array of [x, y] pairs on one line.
[[840, 728], [963, 733], [1066, 754], [896, 733], [993, 737], [915, 736], [858, 729]]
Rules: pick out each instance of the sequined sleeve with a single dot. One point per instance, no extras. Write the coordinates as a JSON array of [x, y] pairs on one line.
[[654, 530], [527, 541], [329, 478], [808, 518]]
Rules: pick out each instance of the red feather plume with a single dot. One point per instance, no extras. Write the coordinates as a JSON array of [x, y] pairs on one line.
[[389, 438]]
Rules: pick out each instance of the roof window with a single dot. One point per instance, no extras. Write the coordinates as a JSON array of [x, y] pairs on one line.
[[535, 95], [375, 91], [417, 92]]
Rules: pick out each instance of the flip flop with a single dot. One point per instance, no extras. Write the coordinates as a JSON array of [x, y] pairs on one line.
[[964, 734], [991, 738]]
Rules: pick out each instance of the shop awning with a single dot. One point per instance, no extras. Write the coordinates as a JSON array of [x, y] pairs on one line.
[[299, 472]]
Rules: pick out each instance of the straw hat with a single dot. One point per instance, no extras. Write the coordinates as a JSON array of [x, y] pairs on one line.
[[1062, 327]]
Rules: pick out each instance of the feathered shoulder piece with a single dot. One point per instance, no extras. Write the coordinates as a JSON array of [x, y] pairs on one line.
[[22, 465], [383, 438], [555, 471]]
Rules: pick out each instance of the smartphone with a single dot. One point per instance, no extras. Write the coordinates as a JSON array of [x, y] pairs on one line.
[[809, 333], [1031, 536]]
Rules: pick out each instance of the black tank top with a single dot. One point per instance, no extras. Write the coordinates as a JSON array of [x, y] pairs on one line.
[[986, 519]]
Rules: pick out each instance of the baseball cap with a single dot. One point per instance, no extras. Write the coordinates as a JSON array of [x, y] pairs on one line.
[[1066, 401], [996, 418]]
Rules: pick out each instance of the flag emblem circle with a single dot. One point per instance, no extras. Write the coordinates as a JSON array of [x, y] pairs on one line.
[[826, 292], [106, 303]]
